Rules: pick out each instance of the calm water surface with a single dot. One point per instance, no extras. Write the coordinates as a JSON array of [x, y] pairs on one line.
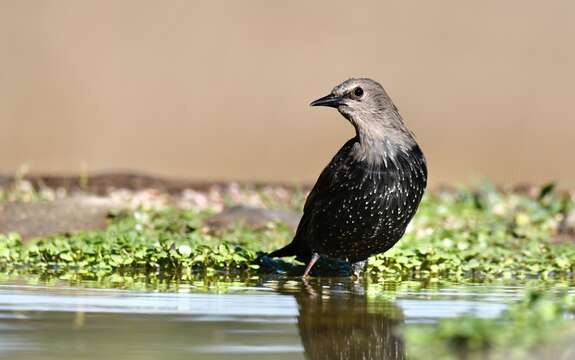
[[277, 318]]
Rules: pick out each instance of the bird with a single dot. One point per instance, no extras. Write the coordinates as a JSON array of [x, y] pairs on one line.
[[364, 199]]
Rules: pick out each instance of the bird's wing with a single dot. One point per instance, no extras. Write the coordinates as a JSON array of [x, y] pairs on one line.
[[330, 185], [331, 178], [326, 188]]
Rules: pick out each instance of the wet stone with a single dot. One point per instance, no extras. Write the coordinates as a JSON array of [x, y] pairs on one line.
[[38, 219], [252, 217]]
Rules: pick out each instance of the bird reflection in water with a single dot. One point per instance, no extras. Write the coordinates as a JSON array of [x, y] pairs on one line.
[[338, 321]]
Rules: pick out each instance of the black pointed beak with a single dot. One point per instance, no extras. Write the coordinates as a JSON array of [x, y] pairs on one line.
[[329, 100]]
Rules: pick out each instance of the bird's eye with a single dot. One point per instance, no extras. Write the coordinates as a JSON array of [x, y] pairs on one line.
[[358, 92]]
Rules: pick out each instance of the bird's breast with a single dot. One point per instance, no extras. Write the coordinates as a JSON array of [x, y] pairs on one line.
[[372, 208]]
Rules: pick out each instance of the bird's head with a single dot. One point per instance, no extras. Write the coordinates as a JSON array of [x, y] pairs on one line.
[[364, 103]]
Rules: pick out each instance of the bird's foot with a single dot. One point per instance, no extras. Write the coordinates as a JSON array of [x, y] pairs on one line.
[[314, 258], [358, 267]]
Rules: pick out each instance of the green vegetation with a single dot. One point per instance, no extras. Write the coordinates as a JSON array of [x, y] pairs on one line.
[[456, 234], [167, 241], [523, 329], [484, 233]]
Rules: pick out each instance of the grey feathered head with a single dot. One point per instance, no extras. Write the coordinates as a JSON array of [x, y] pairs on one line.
[[365, 103]]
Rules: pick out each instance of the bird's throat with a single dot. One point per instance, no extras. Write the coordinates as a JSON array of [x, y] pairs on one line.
[[380, 146]]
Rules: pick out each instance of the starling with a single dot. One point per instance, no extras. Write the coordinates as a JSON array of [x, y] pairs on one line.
[[364, 199]]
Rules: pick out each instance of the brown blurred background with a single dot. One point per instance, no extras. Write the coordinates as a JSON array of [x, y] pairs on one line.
[[220, 89]]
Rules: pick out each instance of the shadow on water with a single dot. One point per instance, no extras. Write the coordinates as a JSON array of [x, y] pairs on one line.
[[336, 321]]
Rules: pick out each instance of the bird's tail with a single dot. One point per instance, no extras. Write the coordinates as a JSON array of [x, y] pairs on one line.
[[297, 248], [288, 250]]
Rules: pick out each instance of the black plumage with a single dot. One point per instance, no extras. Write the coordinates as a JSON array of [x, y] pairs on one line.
[[364, 199]]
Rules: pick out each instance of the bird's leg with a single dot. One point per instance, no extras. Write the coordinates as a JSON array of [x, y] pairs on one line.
[[310, 264], [357, 267]]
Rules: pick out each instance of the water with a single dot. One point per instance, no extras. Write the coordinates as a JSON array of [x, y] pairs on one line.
[[275, 318]]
